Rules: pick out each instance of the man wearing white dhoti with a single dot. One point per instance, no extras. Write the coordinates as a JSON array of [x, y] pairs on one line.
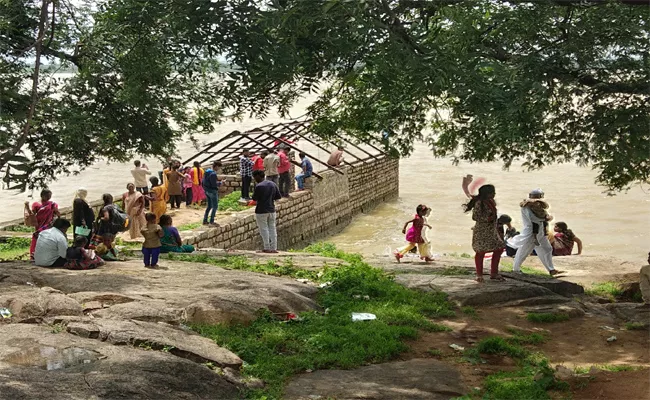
[[531, 238]]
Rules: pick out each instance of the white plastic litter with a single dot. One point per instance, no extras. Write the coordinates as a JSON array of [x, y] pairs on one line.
[[363, 316], [324, 284], [611, 339], [607, 328], [456, 347], [303, 280]]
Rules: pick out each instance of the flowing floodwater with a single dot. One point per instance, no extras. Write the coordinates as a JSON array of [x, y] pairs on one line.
[[616, 226]]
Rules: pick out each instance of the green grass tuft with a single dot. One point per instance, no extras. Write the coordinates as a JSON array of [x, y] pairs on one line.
[[547, 317], [274, 351], [631, 326], [608, 367], [231, 202], [469, 310], [15, 248], [189, 226], [20, 228], [610, 290]]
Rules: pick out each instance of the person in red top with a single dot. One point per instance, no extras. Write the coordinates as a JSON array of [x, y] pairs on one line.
[[282, 140], [284, 170], [258, 161]]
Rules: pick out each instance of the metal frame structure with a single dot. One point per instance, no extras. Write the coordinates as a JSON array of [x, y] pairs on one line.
[[267, 137]]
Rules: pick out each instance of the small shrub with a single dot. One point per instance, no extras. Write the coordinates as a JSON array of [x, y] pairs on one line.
[[15, 248], [610, 290], [630, 326], [469, 310], [500, 346], [547, 317], [231, 202], [435, 352]]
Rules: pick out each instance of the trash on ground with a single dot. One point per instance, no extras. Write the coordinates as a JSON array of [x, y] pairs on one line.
[[607, 328], [5, 312], [303, 280], [325, 284], [29, 284], [456, 347], [366, 297], [611, 339], [363, 316]]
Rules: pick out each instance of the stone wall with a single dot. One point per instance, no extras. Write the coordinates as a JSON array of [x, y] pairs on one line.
[[313, 214]]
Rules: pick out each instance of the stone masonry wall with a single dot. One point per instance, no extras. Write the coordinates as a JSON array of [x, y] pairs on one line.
[[310, 215]]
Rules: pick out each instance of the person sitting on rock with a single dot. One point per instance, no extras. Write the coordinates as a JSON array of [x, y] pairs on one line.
[[644, 284], [52, 244], [79, 258], [171, 240], [106, 250], [563, 240]]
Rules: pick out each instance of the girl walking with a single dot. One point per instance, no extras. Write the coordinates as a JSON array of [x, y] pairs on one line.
[[151, 246], [485, 236], [414, 235]]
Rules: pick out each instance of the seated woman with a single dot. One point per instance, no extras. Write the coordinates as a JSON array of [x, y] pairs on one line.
[[77, 257], [171, 241], [563, 240], [106, 249]]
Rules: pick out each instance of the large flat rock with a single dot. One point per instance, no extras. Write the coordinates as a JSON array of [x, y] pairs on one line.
[[185, 292], [465, 291], [36, 363], [425, 379], [559, 286]]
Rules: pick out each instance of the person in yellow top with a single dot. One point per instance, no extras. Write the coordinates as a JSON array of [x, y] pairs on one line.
[[159, 198]]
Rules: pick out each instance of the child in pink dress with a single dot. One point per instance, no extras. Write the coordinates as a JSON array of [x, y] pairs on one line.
[[414, 235]]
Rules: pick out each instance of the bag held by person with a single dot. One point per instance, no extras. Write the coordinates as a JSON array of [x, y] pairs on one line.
[[30, 217], [119, 219], [81, 231]]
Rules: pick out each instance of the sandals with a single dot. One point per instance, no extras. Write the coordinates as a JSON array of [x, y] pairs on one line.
[[398, 257], [479, 279], [555, 272]]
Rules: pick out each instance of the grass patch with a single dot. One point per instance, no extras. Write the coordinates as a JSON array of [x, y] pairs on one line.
[[435, 352], [532, 380], [631, 326], [20, 228], [454, 270], [272, 267], [469, 310], [547, 317], [231, 202], [610, 290], [15, 248], [274, 351], [189, 226], [608, 367], [506, 266]]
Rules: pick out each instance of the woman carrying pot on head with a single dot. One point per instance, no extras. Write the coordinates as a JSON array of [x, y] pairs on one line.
[[83, 215]]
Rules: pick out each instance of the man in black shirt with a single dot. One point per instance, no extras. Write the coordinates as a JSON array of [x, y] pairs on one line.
[[265, 194]]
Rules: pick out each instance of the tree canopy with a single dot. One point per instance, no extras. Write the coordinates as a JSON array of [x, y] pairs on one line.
[[542, 82]]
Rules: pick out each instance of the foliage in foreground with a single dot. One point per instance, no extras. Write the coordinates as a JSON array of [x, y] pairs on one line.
[[275, 350], [547, 317], [15, 248], [532, 380]]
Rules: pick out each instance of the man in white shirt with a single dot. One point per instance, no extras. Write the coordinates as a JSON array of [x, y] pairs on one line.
[[271, 164], [140, 179], [52, 245]]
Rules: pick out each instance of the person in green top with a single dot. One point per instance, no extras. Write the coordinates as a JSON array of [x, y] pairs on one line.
[[171, 240]]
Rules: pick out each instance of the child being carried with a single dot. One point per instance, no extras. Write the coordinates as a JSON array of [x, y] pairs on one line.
[[535, 202]]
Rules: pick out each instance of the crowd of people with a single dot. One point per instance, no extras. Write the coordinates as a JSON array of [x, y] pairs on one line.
[[145, 204]]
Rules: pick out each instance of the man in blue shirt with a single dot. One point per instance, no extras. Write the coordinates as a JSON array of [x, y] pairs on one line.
[[307, 170], [265, 194], [211, 187]]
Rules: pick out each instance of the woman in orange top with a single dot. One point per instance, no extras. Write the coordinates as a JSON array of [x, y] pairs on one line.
[[159, 198]]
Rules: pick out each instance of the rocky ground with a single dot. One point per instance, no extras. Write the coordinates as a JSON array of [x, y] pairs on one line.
[[121, 331]]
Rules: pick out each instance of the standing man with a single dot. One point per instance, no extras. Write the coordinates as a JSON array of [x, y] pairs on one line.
[[531, 238], [265, 194], [52, 245], [271, 164], [307, 171], [246, 172], [258, 161], [284, 170], [336, 158], [211, 187], [140, 179]]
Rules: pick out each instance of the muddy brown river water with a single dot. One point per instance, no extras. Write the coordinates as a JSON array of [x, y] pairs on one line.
[[615, 226]]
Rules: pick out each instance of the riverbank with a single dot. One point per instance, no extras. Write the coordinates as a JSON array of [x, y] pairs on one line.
[[141, 318]]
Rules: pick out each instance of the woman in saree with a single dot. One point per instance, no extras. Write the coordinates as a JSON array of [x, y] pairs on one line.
[[159, 198], [44, 213], [134, 206], [83, 215], [563, 240], [198, 194], [171, 241]]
